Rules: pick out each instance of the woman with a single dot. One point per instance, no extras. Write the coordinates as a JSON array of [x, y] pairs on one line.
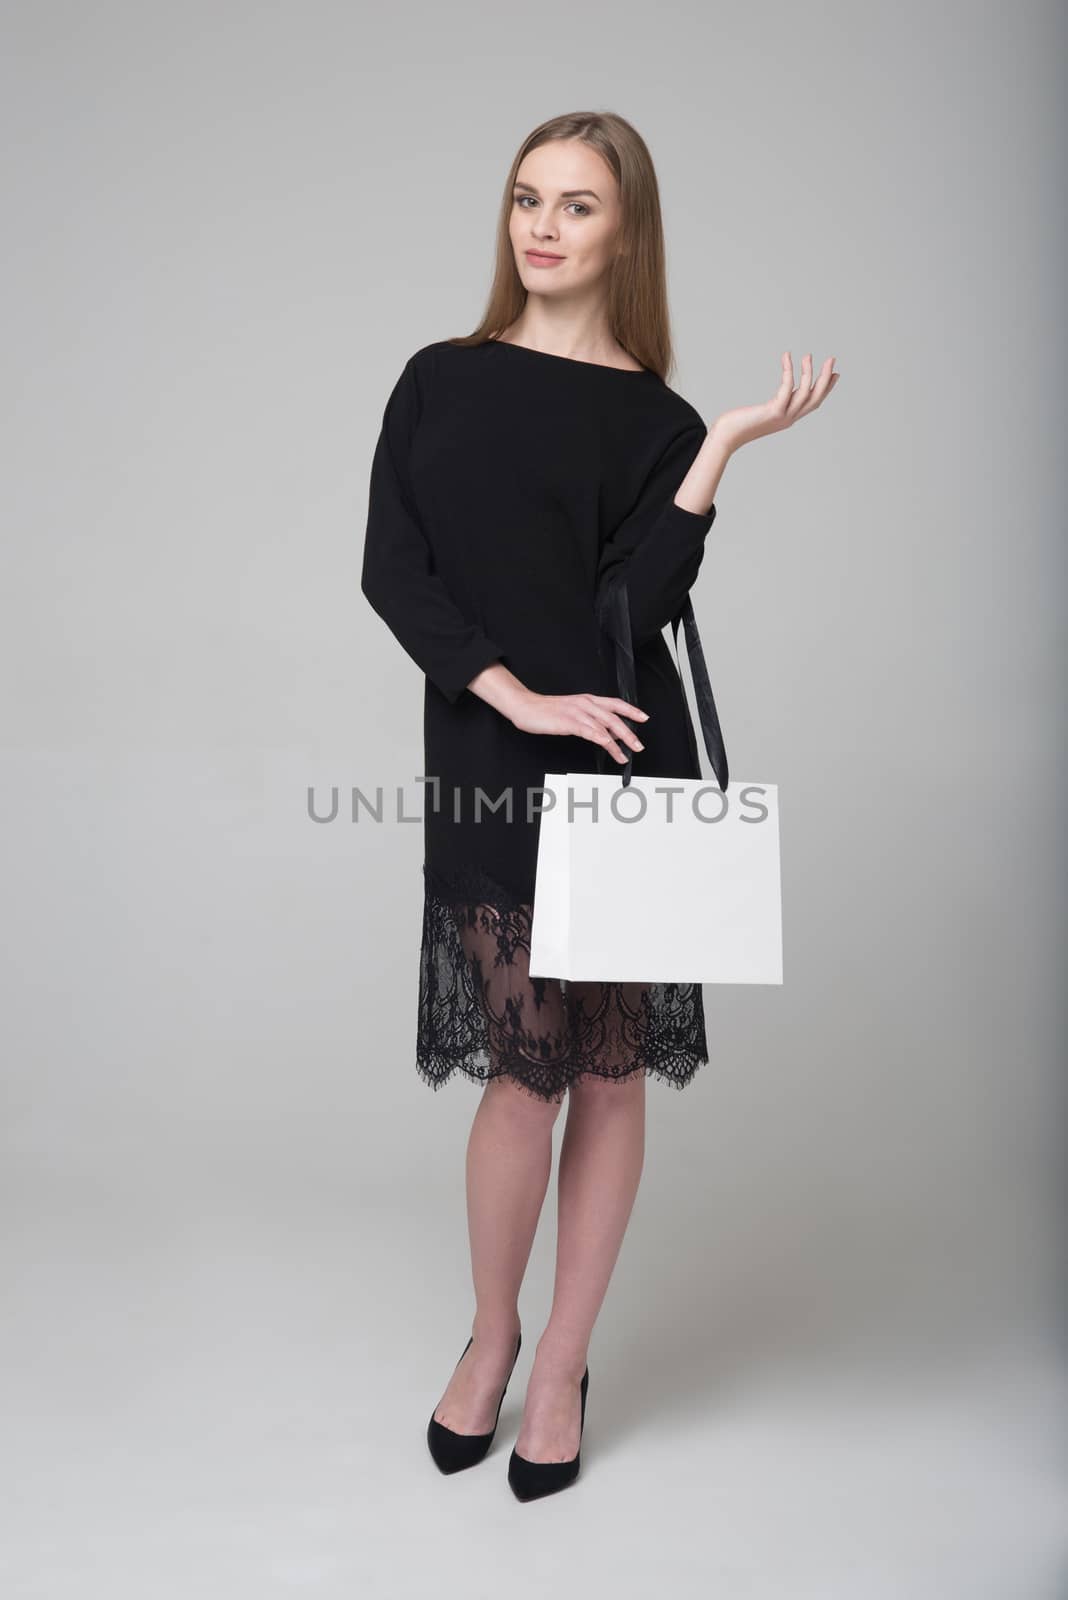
[[519, 469]]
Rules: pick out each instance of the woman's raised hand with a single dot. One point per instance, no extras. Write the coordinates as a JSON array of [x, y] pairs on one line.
[[589, 716], [786, 405]]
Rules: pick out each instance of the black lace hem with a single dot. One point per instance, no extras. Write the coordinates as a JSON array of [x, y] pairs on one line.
[[482, 1014]]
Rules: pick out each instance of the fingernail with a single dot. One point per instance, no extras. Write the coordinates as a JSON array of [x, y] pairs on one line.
[[638, 745]]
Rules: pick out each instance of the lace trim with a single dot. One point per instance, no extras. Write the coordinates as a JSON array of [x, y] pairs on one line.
[[481, 1013]]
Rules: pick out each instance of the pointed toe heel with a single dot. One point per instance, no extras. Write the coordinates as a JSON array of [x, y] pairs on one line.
[[530, 1480], [452, 1452]]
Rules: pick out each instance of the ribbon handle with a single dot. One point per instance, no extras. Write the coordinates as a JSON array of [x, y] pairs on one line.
[[613, 611]]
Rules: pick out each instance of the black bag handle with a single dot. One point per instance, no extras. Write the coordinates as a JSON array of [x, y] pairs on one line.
[[613, 611]]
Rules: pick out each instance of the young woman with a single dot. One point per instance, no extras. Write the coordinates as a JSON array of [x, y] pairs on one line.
[[519, 469]]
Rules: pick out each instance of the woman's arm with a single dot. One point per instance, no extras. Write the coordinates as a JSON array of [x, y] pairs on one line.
[[658, 547], [699, 487], [398, 576], [596, 717]]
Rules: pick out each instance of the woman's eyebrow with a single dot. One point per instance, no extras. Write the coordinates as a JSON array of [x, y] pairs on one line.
[[565, 194]]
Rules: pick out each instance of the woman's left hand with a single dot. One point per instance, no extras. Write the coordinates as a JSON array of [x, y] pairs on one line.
[[786, 405]]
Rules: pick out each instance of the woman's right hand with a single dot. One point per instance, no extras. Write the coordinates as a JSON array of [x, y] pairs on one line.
[[595, 717]]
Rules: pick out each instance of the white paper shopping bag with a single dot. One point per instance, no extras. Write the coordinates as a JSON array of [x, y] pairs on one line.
[[659, 880]]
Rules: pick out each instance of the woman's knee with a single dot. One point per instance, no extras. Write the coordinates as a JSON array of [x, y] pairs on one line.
[[521, 1102], [598, 1090]]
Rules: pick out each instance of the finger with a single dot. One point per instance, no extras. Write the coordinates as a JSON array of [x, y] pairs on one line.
[[822, 386], [610, 703], [780, 402], [802, 394], [600, 707], [597, 733], [823, 382], [615, 725], [786, 386]]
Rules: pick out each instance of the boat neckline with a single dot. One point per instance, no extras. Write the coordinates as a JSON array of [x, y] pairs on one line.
[[573, 361]]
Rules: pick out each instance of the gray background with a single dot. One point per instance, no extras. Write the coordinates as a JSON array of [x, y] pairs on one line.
[[235, 1259]]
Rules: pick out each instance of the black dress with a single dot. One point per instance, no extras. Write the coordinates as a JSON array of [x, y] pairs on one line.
[[507, 485]]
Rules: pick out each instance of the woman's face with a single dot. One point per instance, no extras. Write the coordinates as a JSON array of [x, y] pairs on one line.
[[565, 218]]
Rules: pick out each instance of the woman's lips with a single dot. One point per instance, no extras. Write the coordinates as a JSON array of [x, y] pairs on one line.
[[538, 258]]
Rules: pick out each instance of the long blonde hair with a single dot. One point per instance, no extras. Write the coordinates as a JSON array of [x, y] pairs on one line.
[[637, 287]]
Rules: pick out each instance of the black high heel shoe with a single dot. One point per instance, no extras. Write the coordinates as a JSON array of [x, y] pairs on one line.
[[531, 1479], [454, 1451]]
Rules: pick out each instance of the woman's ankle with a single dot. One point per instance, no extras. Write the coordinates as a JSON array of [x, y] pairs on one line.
[[560, 1356], [496, 1327]]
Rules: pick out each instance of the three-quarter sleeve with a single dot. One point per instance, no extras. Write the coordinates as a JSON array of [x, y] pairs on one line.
[[659, 546], [399, 576]]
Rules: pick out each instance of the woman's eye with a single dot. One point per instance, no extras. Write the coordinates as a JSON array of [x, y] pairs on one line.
[[584, 210]]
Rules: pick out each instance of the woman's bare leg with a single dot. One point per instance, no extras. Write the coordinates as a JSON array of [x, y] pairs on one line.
[[601, 1159], [509, 1159]]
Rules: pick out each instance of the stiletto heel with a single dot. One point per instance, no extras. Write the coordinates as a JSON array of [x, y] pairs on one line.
[[454, 1451], [532, 1479]]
